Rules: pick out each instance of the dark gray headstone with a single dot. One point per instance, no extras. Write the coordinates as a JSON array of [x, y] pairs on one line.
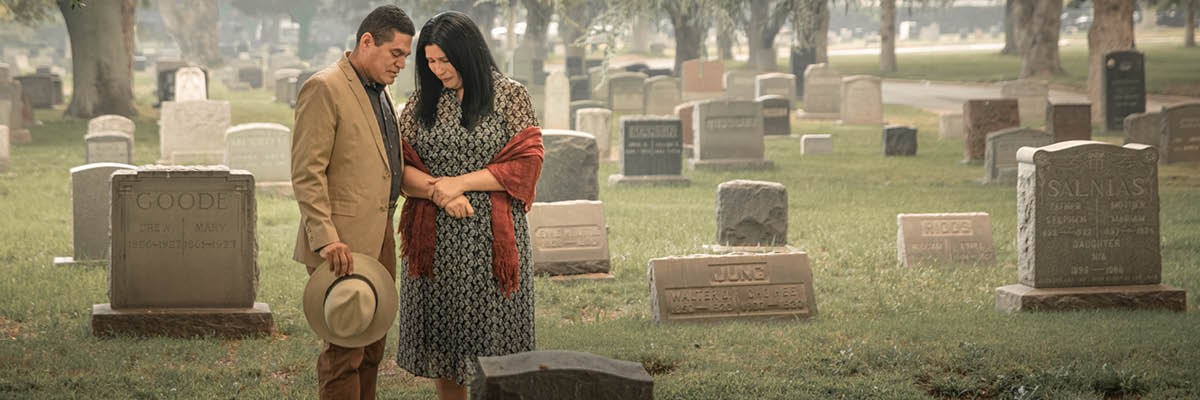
[[751, 213], [581, 88], [1180, 140], [899, 140], [653, 72], [1122, 86], [777, 115], [251, 75], [575, 66], [1000, 154], [1069, 121], [650, 145], [546, 375], [570, 166], [800, 60], [1143, 128]]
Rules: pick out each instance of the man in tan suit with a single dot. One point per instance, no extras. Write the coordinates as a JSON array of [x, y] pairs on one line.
[[346, 172]]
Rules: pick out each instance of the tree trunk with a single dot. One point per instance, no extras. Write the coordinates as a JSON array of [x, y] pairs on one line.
[[1010, 41], [690, 28], [1112, 29], [725, 43], [1040, 59], [1189, 27], [537, 22], [1023, 23], [887, 36], [193, 24], [102, 57], [822, 36], [759, 10]]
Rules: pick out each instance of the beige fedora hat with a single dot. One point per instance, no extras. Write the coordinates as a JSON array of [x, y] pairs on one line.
[[352, 310]]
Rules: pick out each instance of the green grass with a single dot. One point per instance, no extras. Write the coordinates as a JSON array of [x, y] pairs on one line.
[[882, 331], [1170, 68]]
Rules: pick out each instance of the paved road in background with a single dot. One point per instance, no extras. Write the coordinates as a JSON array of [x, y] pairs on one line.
[[944, 96]]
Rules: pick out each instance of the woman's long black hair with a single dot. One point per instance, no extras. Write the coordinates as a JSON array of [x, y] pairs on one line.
[[468, 52]]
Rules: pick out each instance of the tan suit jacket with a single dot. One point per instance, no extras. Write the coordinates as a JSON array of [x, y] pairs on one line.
[[340, 170]]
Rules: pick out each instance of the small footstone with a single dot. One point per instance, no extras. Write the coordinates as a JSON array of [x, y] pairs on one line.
[[539, 375]]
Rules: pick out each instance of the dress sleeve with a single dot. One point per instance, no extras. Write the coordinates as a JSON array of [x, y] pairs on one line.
[[519, 111]]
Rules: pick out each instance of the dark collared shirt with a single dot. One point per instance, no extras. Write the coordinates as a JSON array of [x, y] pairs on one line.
[[386, 117]]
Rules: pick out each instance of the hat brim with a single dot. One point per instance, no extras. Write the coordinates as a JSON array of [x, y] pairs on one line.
[[385, 294]]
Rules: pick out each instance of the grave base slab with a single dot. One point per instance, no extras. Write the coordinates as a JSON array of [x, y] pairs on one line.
[[71, 262], [566, 268], [593, 277], [1020, 297], [648, 180], [722, 249], [182, 322], [729, 164]]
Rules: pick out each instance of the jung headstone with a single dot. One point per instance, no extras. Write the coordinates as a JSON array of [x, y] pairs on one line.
[[814, 143], [718, 287], [651, 151], [661, 95], [193, 131], [626, 92], [751, 213], [597, 122], [985, 116], [940, 239], [569, 238], [190, 84], [1069, 121], [739, 84], [263, 148], [1144, 128], [950, 125], [1088, 230], [729, 134], [1180, 140], [570, 167], [862, 100], [91, 201], [777, 114], [1000, 154], [108, 146], [775, 83], [899, 140], [1032, 96], [547, 374], [1122, 86], [822, 92]]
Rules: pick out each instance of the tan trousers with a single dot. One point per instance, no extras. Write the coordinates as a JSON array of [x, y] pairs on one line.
[[350, 373]]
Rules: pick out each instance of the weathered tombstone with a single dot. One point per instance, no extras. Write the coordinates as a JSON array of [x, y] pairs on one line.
[[285, 83], [111, 122], [801, 59], [12, 112], [263, 148], [899, 140], [5, 148], [1000, 159], [985, 116], [569, 238], [184, 255], [702, 79], [574, 65], [558, 102], [1088, 230], [190, 84], [944, 239], [581, 88], [597, 122], [862, 100], [1069, 121], [651, 151], [626, 92], [251, 75], [1144, 128], [164, 72], [39, 89], [570, 167], [1122, 87], [813, 143], [546, 375], [193, 132], [775, 83], [684, 112], [1032, 96], [1180, 140], [822, 92], [950, 125], [739, 84], [719, 287], [582, 104], [729, 134], [777, 114], [661, 95], [108, 147], [527, 66], [598, 79], [751, 213], [91, 201]]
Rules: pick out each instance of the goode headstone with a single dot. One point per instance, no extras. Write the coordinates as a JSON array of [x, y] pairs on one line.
[[184, 254], [1069, 121], [91, 200], [1088, 230], [1144, 128], [777, 114], [597, 122], [193, 131], [822, 92], [546, 375], [568, 238], [751, 213], [626, 92], [899, 140], [862, 100], [651, 151], [108, 146], [940, 239], [1032, 96], [558, 101], [263, 148], [661, 95], [190, 84], [775, 83], [718, 287], [950, 125], [1122, 87], [984, 116], [814, 143], [569, 170], [739, 84], [1180, 133], [729, 134], [1000, 155]]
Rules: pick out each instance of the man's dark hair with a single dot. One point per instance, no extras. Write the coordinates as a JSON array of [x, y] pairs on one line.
[[468, 52], [382, 21]]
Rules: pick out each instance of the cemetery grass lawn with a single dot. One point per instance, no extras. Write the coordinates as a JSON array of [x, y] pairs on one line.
[[1170, 67], [881, 331]]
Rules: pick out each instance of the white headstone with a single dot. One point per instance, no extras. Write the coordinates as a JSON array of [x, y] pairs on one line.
[[558, 101], [598, 122], [190, 84], [816, 144], [193, 132], [108, 146], [91, 195], [862, 100], [263, 148]]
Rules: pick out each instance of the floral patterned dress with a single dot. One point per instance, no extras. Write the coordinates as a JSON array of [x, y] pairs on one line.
[[461, 314]]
